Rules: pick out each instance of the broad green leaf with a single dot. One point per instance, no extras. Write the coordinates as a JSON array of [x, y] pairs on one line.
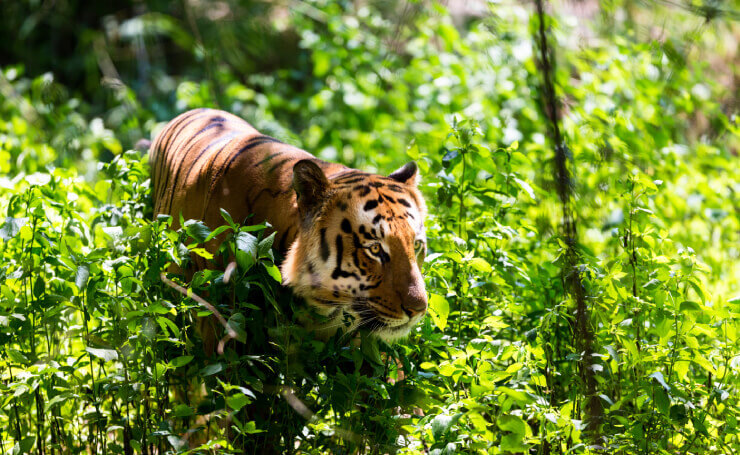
[[246, 250], [183, 410], [525, 186], [226, 216], [197, 230], [439, 309], [181, 361], [61, 398], [26, 444], [481, 265], [273, 271], [513, 443], [512, 423], [238, 401], [218, 231], [212, 369], [16, 356], [265, 245], [202, 252], [688, 306], [83, 273], [442, 424]]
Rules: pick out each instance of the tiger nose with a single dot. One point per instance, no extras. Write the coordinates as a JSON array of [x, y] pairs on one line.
[[414, 303]]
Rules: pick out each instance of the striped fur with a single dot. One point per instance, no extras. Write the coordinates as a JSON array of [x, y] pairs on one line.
[[352, 241]]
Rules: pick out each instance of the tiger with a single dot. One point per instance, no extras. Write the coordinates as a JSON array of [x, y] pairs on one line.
[[353, 242]]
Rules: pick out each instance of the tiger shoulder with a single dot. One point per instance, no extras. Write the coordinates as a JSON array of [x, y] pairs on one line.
[[353, 241]]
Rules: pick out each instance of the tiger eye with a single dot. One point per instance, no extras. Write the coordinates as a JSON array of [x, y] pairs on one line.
[[375, 248], [418, 245]]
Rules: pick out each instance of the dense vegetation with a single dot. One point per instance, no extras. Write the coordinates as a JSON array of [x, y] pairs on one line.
[[584, 228]]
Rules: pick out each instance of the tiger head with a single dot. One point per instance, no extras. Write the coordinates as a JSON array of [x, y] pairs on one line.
[[357, 254]]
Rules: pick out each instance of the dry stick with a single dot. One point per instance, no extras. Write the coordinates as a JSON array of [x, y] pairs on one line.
[[584, 337], [230, 333]]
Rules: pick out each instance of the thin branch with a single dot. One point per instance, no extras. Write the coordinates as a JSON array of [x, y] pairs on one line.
[[230, 333]]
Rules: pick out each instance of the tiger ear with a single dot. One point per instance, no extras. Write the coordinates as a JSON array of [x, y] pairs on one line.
[[407, 174], [310, 184]]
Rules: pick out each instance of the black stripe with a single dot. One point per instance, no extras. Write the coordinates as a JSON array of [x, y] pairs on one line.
[[371, 204], [279, 164], [324, 245], [403, 202], [191, 117], [268, 158], [365, 287], [166, 135], [338, 272], [193, 139], [227, 138], [364, 190], [349, 182], [348, 175], [252, 143]]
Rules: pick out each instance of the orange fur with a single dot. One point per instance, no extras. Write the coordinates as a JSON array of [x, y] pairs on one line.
[[353, 240]]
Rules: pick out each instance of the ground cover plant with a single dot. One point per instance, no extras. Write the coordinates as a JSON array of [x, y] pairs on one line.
[[580, 164]]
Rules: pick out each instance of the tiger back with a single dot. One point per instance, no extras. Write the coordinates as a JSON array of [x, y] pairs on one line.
[[353, 241]]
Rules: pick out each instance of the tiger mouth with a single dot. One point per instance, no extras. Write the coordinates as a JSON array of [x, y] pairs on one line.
[[354, 309]]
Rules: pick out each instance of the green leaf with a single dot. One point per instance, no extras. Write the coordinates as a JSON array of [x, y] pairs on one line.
[[273, 271], [219, 230], [81, 276], [39, 286], [678, 414], [105, 354], [16, 356], [26, 444], [439, 309], [212, 369], [526, 187], [236, 322], [181, 361], [61, 398], [202, 252], [265, 245], [662, 401], [197, 230], [238, 401], [226, 216], [251, 428], [246, 250], [513, 443], [442, 424], [688, 306], [512, 423], [183, 410], [658, 376], [518, 395], [481, 265], [11, 227]]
